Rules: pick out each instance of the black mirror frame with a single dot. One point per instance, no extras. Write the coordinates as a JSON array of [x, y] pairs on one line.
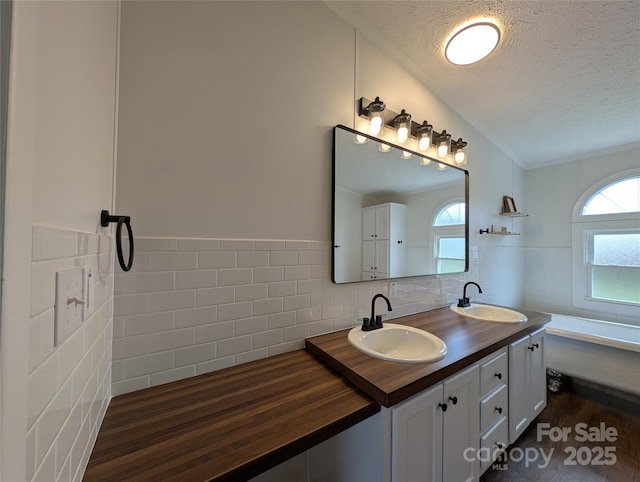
[[334, 246]]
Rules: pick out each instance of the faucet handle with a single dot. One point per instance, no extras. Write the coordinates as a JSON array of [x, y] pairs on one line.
[[366, 324], [463, 302]]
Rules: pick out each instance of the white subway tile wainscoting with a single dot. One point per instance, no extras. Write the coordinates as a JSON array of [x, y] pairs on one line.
[[70, 384], [191, 306]]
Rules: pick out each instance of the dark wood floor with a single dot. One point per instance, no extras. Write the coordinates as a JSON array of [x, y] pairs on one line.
[[567, 409]]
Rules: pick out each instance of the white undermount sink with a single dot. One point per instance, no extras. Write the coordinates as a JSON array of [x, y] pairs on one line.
[[490, 313], [398, 343]]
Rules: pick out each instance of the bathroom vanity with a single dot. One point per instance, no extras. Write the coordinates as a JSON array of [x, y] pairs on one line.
[[239, 422], [441, 421]]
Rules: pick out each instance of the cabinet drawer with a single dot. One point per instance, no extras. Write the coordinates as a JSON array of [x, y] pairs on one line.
[[493, 443], [494, 407], [493, 372]]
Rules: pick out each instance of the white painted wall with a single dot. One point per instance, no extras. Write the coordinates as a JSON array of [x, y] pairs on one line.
[[225, 117], [194, 161], [551, 193], [60, 164]]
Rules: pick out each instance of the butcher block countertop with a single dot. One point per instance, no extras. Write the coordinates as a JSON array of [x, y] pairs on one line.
[[236, 423], [389, 383], [232, 424]]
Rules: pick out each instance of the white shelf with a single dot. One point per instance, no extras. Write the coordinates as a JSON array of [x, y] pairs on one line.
[[498, 233]]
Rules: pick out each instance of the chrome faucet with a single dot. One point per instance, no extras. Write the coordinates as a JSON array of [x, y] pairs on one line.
[[464, 301], [375, 322]]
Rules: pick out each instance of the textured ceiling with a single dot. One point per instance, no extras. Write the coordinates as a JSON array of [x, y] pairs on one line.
[[563, 83]]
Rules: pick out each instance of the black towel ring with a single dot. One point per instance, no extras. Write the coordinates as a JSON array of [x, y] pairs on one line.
[[105, 219]]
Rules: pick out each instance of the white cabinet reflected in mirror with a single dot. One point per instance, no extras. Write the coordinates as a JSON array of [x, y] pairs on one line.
[[393, 216]]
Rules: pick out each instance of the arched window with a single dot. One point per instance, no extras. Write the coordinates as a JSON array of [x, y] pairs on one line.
[[621, 196], [448, 238], [449, 215], [606, 246]]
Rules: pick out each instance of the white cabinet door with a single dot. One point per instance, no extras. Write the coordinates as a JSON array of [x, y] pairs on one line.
[[382, 221], [417, 438], [368, 224], [461, 430], [386, 225], [397, 234], [518, 388], [382, 256], [527, 382], [368, 255], [432, 430], [538, 372]]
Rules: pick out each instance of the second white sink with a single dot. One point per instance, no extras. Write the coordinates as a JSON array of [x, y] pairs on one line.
[[490, 313], [398, 343]]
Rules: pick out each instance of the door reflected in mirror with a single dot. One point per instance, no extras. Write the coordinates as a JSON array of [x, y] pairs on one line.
[[396, 213]]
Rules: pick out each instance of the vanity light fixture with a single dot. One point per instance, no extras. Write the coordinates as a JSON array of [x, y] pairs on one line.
[[472, 43], [458, 148], [405, 128], [444, 143], [375, 112], [424, 133], [402, 124]]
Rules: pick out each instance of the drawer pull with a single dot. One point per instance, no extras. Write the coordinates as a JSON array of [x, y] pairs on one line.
[[500, 445], [454, 400], [499, 409], [443, 406], [498, 375], [530, 348], [536, 345]]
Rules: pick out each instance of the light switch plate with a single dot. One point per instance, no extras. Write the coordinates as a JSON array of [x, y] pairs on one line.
[[69, 303]]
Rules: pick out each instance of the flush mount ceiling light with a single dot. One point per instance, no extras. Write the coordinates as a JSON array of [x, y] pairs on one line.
[[472, 43]]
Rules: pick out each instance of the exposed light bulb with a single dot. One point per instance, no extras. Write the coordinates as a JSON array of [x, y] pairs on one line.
[[384, 147], [441, 166], [402, 123], [443, 144], [375, 111], [406, 155], [424, 133], [425, 161], [402, 134], [443, 149], [375, 124], [460, 157]]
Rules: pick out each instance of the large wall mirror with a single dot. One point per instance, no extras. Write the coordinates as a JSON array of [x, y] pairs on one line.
[[396, 213]]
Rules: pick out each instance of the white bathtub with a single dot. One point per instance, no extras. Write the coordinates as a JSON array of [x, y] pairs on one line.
[[617, 335], [602, 352]]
